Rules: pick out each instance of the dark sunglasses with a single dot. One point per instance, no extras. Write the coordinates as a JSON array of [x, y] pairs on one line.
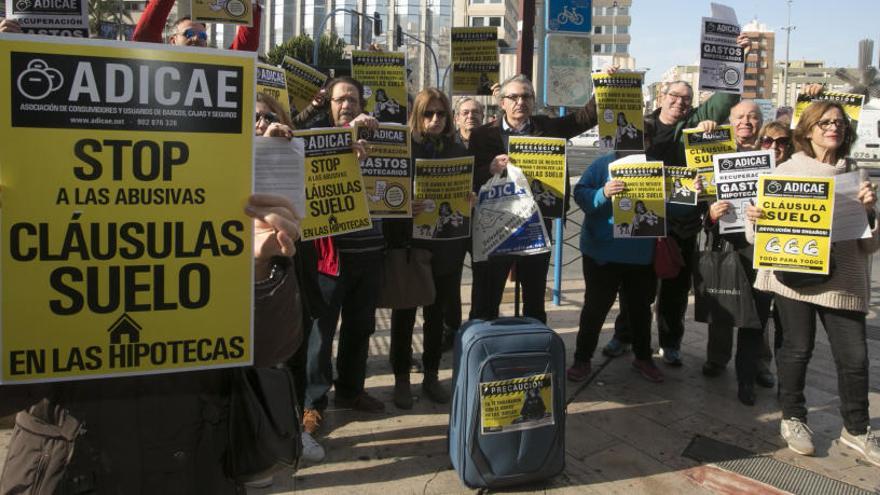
[[269, 116], [429, 114], [767, 141], [190, 33]]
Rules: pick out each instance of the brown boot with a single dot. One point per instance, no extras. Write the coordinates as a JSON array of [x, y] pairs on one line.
[[402, 393]]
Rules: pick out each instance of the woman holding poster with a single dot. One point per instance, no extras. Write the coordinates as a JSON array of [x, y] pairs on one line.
[[823, 138], [433, 137]]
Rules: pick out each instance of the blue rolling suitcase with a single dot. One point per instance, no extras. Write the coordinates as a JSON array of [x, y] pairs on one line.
[[507, 424]]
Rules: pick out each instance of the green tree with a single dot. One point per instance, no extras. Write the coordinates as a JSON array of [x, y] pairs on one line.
[[330, 51], [107, 11]]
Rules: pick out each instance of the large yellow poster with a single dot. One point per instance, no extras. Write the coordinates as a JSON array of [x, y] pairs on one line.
[[543, 161], [303, 82], [620, 108], [444, 185], [475, 64], [387, 170], [271, 81], [640, 210], [335, 199], [383, 75], [126, 249], [852, 104], [794, 233], [701, 146]]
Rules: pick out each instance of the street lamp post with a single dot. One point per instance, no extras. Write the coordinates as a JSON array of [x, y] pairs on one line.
[[320, 31], [788, 28], [613, 29]]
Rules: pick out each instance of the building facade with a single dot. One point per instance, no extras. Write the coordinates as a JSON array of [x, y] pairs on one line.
[[804, 72], [759, 69]]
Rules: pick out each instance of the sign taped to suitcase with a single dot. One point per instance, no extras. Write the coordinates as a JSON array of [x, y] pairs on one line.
[[516, 404]]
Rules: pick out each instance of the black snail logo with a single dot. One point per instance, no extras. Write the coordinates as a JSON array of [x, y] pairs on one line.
[[39, 80], [726, 164], [774, 187]]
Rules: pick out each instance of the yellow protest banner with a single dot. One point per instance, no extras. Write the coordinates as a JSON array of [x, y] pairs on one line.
[[303, 82], [852, 104], [125, 252], [223, 11], [335, 199], [387, 170], [701, 146], [620, 108], [444, 186], [794, 233], [475, 64], [516, 404], [680, 185], [271, 81], [640, 210], [542, 160], [383, 75]]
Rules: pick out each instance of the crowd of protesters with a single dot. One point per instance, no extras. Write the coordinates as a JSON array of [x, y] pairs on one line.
[[305, 291]]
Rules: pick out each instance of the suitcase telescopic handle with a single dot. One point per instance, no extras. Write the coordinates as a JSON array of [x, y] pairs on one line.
[[511, 321]]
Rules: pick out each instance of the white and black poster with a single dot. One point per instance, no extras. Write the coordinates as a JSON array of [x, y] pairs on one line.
[[51, 17], [722, 61], [736, 181]]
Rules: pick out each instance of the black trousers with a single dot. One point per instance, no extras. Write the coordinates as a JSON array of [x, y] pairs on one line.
[[490, 277], [637, 285], [846, 334], [672, 301]]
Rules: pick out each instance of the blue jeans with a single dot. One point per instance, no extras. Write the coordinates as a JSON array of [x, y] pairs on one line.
[[352, 296]]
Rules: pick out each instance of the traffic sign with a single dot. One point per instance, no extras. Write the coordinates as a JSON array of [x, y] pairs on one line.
[[569, 16]]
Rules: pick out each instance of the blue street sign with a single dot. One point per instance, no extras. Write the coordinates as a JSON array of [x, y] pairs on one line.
[[569, 16]]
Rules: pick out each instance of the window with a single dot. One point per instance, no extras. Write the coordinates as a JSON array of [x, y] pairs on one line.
[[622, 29], [483, 21], [597, 29], [597, 48], [620, 47]]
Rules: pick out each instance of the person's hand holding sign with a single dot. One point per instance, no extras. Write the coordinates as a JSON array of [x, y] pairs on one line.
[[9, 26], [499, 164], [868, 195], [613, 187], [276, 228], [718, 209], [753, 213]]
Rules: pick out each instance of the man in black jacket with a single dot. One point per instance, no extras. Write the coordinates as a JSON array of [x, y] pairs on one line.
[[489, 145]]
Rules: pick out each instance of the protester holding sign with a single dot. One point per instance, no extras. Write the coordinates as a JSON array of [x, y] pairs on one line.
[[746, 120], [433, 137], [489, 145], [186, 32], [823, 138], [778, 137]]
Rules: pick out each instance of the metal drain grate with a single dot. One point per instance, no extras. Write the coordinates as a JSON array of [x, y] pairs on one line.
[[765, 469]]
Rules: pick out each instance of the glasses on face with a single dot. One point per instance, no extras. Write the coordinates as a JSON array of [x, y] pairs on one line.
[[270, 117], [768, 142], [522, 97], [339, 100], [429, 114], [192, 33], [826, 124], [684, 98]]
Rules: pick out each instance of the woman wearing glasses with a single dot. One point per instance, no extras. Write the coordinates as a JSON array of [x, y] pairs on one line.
[[823, 138], [778, 137], [271, 119], [433, 136]]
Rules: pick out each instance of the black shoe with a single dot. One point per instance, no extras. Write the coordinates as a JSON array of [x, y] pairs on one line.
[[402, 392], [434, 390], [712, 369], [765, 379], [746, 394]]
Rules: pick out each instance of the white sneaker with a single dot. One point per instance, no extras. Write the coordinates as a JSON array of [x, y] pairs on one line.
[[312, 450], [261, 483], [798, 435], [866, 443]]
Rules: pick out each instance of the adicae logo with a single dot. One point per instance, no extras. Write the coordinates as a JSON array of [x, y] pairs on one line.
[[726, 164], [39, 80], [774, 187]]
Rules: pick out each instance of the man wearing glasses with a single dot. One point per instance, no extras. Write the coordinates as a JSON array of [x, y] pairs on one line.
[[469, 115], [489, 145], [188, 33]]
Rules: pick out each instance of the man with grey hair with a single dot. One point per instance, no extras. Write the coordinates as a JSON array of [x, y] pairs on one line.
[[489, 145], [469, 113]]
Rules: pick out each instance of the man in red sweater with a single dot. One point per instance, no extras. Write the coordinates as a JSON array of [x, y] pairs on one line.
[[187, 32]]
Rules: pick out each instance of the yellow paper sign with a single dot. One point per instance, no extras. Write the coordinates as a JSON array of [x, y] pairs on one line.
[[680, 185], [640, 210], [303, 82], [475, 65], [383, 75], [794, 234], [516, 404], [271, 81], [543, 162], [620, 108], [335, 199], [444, 186], [851, 103], [125, 252], [223, 11], [700, 147], [388, 170]]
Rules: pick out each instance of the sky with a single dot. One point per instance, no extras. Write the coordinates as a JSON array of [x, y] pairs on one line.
[[667, 32]]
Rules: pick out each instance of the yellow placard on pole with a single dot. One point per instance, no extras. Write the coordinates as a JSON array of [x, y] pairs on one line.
[[388, 170], [335, 199], [794, 233], [542, 160], [444, 186], [475, 64], [640, 210], [620, 108], [303, 82], [223, 11], [383, 75], [852, 104], [126, 250], [701, 146], [271, 81]]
